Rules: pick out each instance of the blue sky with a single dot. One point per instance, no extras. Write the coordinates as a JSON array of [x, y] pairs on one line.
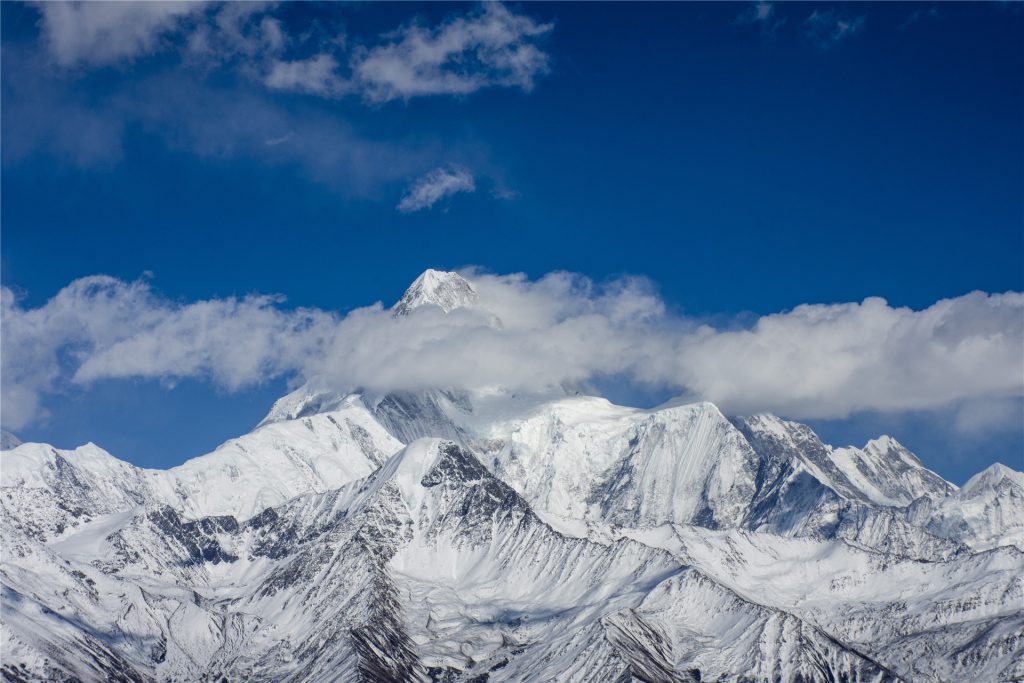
[[744, 158]]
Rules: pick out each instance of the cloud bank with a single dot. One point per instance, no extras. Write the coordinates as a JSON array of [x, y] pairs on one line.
[[815, 361]]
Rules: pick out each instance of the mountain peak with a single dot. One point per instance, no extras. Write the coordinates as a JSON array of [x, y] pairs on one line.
[[445, 289], [886, 446], [991, 476]]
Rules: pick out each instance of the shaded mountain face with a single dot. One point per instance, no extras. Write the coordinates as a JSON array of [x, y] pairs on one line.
[[449, 535]]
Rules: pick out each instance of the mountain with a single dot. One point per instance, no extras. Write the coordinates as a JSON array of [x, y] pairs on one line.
[[490, 535], [987, 512], [445, 290]]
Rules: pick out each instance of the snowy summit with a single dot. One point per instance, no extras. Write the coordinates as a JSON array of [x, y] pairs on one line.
[[446, 290]]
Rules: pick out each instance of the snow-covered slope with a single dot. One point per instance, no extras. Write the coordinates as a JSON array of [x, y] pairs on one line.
[[452, 535], [45, 491], [427, 564], [889, 474], [446, 290], [966, 612], [584, 458], [987, 512], [884, 472], [279, 461], [429, 567], [48, 490]]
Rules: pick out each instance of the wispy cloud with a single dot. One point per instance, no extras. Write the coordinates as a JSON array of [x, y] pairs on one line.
[[486, 46], [434, 186], [762, 14], [828, 28], [211, 121], [490, 47], [504, 193], [273, 142], [97, 34], [815, 361], [920, 15], [314, 76], [101, 33]]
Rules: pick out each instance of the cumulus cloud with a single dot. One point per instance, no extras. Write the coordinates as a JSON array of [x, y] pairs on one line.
[[816, 361], [100, 327], [827, 28], [828, 361], [435, 186]]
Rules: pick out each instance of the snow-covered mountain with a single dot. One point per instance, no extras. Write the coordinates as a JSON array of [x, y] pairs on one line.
[[452, 535], [445, 290]]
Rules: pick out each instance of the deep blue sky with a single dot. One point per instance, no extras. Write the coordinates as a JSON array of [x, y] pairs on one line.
[[742, 169]]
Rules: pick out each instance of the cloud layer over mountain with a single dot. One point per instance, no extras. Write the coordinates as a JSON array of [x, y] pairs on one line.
[[815, 361]]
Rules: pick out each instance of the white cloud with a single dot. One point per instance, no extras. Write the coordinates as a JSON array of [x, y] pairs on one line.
[[280, 140], [486, 46], [763, 14], [435, 186], [986, 415], [827, 28], [237, 28], [100, 327], [828, 361], [491, 47], [314, 76], [207, 120], [919, 16], [816, 361], [106, 32]]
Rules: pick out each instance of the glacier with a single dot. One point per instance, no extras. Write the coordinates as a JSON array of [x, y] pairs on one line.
[[490, 535]]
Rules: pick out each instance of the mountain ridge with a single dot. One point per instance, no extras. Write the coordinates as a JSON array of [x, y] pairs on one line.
[[489, 535]]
